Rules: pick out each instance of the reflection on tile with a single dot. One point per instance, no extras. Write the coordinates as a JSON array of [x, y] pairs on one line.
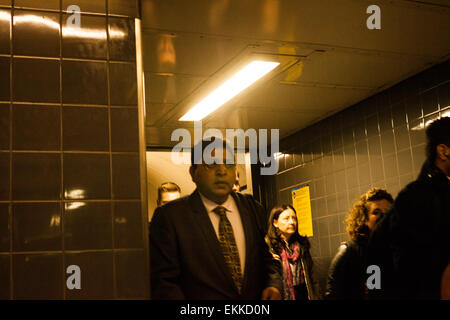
[[444, 95], [399, 114], [36, 80], [84, 82], [86, 176], [36, 226], [413, 108], [87, 225], [38, 276], [122, 44], [5, 25], [4, 124], [127, 225], [404, 162], [390, 166], [131, 274], [387, 142], [123, 84], [4, 227], [127, 8], [36, 33], [36, 127], [97, 271], [126, 179], [97, 6], [361, 152], [402, 138], [124, 130], [5, 2], [4, 79], [87, 42], [36, 176], [85, 128], [5, 277], [41, 4]]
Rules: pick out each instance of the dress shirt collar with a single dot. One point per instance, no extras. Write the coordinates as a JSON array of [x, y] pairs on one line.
[[211, 205]]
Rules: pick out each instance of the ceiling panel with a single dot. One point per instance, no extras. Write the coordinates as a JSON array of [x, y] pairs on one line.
[[302, 98], [169, 88], [357, 70], [190, 54], [187, 43], [331, 22]]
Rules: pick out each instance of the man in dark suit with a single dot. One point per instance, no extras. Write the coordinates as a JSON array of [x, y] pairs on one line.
[[210, 244]]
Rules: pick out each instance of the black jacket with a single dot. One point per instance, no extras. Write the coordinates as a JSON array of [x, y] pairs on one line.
[[307, 264], [186, 261], [411, 243], [346, 276]]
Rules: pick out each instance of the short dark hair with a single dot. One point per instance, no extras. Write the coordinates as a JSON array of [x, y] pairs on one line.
[[167, 187], [438, 132], [204, 143]]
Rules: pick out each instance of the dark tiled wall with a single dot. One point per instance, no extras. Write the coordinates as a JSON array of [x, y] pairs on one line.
[[70, 190], [379, 142]]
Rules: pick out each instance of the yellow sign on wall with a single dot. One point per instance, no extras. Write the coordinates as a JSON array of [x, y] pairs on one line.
[[302, 204]]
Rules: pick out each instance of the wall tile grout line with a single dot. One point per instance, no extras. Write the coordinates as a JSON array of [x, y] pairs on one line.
[[10, 210], [111, 182], [61, 146]]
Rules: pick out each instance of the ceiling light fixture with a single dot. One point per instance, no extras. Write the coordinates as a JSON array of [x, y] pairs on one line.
[[229, 89]]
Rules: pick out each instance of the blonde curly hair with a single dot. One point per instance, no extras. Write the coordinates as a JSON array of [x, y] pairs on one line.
[[357, 217]]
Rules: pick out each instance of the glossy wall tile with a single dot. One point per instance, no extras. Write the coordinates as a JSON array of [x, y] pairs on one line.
[[61, 200], [36, 33], [87, 6], [4, 124], [5, 79], [4, 227], [380, 142], [85, 128], [89, 42], [35, 80], [36, 127], [5, 24]]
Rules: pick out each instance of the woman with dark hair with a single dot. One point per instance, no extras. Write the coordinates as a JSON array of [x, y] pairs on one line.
[[347, 276], [292, 250]]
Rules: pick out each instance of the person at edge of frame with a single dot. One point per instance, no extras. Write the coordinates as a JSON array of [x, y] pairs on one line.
[[411, 243]]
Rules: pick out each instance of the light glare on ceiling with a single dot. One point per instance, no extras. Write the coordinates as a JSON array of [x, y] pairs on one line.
[[233, 86]]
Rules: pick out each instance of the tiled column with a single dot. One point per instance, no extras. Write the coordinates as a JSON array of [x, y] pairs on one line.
[[70, 151]]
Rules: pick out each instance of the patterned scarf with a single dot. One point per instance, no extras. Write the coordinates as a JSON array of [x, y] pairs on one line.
[[288, 258]]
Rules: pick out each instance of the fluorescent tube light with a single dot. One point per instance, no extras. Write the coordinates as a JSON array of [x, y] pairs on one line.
[[233, 86]]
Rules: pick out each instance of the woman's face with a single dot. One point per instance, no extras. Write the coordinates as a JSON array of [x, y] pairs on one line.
[[286, 223], [376, 209]]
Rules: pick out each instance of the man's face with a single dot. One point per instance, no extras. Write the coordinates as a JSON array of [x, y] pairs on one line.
[[214, 181], [168, 196], [376, 209]]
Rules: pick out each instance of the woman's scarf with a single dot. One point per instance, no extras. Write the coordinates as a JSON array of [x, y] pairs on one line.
[[288, 258]]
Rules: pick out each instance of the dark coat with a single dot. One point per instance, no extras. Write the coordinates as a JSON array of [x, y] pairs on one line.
[[411, 243], [186, 261], [346, 276], [312, 287]]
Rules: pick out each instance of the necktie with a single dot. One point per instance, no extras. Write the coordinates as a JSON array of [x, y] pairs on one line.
[[228, 246]]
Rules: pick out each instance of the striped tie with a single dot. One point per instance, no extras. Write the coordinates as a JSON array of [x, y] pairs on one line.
[[228, 246]]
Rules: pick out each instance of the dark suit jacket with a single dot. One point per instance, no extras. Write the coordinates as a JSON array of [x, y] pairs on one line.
[[186, 261]]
